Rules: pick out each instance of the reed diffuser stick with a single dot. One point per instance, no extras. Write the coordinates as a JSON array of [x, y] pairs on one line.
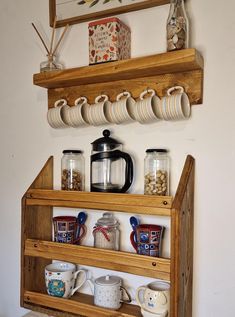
[[40, 38], [57, 45], [52, 36]]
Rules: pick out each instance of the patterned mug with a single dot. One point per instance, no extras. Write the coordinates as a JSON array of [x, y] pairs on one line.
[[147, 239]]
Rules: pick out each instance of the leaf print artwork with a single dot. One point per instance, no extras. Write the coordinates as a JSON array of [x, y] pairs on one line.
[[94, 2]]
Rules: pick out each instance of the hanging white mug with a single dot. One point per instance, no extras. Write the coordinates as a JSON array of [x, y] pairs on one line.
[[56, 116], [97, 112], [77, 115], [122, 110], [146, 107]]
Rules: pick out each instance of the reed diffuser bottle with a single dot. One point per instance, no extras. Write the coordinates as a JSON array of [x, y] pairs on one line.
[[177, 26]]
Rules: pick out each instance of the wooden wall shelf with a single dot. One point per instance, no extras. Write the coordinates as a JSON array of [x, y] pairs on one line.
[[38, 250], [159, 72]]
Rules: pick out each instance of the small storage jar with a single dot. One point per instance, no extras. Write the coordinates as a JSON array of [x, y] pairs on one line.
[[72, 170], [106, 232], [156, 172]]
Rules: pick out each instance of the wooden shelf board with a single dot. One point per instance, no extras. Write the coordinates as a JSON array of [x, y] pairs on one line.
[[78, 304], [108, 259], [140, 204], [165, 63]]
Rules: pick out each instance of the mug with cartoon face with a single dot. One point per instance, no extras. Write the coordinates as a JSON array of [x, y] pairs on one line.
[[154, 298]]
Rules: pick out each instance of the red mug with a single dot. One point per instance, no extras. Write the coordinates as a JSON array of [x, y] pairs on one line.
[[67, 230], [147, 239]]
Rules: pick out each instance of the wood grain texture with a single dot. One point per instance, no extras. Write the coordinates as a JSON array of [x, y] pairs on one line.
[[108, 259], [191, 81], [139, 67], [146, 204], [79, 304], [38, 250], [182, 243], [36, 223], [104, 13]]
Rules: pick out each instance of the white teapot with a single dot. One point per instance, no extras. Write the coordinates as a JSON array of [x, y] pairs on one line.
[[108, 292]]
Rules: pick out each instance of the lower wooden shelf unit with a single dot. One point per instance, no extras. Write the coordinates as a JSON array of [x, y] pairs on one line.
[[38, 250]]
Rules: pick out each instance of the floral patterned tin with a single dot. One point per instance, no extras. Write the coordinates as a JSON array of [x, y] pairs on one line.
[[109, 40]]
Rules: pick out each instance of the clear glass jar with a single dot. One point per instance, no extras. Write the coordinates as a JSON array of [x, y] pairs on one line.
[[156, 172], [106, 232], [72, 170], [177, 26], [50, 64]]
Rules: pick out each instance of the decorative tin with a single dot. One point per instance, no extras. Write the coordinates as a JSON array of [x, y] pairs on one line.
[[109, 40]]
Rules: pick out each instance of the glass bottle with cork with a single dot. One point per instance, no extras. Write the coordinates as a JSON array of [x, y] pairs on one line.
[[177, 26]]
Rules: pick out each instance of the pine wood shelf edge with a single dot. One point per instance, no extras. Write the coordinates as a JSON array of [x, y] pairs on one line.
[[79, 304], [159, 72], [141, 204], [108, 259]]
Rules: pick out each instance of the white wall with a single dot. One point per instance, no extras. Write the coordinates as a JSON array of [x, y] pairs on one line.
[[27, 141]]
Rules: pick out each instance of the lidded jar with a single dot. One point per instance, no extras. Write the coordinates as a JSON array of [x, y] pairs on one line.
[[156, 172], [72, 170], [177, 26], [106, 232]]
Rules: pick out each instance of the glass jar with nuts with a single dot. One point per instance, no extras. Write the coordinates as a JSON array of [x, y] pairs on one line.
[[156, 172], [72, 170]]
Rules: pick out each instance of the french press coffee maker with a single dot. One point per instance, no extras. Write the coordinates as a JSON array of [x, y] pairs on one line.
[[111, 169]]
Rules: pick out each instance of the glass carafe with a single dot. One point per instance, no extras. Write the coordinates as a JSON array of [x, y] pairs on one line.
[[111, 168]]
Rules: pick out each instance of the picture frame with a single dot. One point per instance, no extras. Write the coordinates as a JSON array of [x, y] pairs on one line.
[[89, 9]]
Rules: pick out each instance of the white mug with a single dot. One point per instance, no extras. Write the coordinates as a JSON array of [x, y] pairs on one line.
[[146, 107], [97, 112], [175, 105], [154, 298], [122, 110], [60, 279], [77, 115], [56, 116]]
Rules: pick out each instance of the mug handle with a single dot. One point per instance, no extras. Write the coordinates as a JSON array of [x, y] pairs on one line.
[[64, 102], [97, 99], [125, 93], [77, 101], [138, 299], [80, 228], [133, 240], [145, 92], [128, 300], [82, 282], [169, 91]]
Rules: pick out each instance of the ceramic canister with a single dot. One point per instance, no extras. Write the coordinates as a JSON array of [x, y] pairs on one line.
[[108, 292]]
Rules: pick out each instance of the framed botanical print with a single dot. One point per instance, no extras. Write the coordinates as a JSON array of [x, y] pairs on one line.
[[77, 11]]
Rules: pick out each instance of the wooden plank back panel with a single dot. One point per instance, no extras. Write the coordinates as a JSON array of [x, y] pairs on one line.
[[191, 81], [182, 243], [36, 223]]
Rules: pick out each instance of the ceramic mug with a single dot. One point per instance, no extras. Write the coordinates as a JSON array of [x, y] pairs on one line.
[[154, 299], [146, 239], [122, 110], [56, 116], [67, 230], [146, 107], [175, 105], [77, 115], [97, 112], [60, 278]]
